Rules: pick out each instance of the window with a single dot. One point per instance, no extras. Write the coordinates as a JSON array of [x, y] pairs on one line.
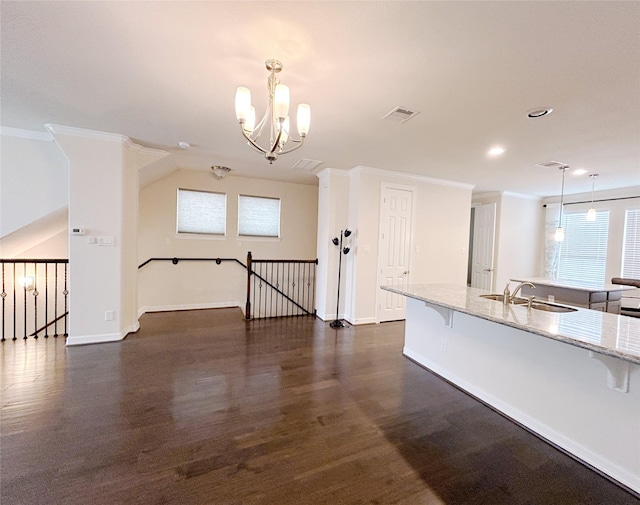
[[258, 216], [201, 212], [631, 245], [583, 254]]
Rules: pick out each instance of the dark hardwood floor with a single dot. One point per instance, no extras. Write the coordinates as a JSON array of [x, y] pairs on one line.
[[200, 407]]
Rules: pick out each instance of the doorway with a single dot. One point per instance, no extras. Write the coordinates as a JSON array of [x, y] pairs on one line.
[[483, 246], [396, 232]]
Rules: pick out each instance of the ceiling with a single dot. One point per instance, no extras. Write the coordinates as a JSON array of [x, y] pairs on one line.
[[165, 72]]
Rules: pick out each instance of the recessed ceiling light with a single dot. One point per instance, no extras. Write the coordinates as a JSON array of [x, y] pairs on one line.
[[184, 145], [579, 171], [539, 112], [496, 151]]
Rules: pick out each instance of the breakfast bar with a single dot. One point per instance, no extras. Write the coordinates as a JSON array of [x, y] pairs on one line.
[[571, 377]]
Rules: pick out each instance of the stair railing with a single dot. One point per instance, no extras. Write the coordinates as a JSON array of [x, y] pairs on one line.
[[34, 298]]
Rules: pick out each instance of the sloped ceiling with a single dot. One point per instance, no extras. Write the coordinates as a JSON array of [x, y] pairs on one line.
[[164, 72]]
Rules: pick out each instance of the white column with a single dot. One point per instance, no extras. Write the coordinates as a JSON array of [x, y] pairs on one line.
[[103, 200], [333, 204]]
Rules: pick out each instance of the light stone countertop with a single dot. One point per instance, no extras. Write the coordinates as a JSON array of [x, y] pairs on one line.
[[590, 287], [596, 331]]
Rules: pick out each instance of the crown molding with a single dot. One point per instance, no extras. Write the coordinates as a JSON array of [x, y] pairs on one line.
[[25, 134], [334, 171], [523, 196], [409, 177], [72, 131]]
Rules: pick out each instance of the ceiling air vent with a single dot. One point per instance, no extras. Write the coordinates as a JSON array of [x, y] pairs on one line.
[[552, 164], [306, 165], [401, 114]]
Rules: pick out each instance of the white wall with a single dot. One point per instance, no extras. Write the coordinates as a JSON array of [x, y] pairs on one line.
[[34, 178], [164, 286]]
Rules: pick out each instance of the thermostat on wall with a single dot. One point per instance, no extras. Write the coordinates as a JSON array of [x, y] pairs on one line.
[[77, 231]]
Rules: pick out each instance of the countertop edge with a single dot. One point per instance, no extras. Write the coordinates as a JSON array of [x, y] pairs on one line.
[[530, 329]]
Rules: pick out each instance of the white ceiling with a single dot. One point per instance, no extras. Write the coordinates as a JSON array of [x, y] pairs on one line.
[[164, 72]]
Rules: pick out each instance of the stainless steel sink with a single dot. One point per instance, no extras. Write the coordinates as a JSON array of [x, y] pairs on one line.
[[499, 298], [547, 307]]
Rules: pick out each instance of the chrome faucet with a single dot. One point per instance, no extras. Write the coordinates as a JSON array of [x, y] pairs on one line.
[[518, 288]]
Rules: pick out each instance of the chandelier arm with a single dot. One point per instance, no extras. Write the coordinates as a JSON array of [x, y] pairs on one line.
[[298, 146], [276, 143], [251, 142]]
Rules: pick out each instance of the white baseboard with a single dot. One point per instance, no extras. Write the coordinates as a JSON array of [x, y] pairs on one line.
[[362, 320], [94, 339]]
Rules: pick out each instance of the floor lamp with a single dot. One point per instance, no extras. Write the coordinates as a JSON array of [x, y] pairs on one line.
[[338, 323]]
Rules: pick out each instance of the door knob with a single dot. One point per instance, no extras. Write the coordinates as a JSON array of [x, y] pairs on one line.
[[488, 269], [405, 272]]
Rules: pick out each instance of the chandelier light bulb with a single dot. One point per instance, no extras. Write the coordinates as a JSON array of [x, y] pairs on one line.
[[281, 102], [591, 214], [559, 236], [243, 103], [250, 122], [303, 119]]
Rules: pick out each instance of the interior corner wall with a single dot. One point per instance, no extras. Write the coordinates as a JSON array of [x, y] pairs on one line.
[[521, 223], [98, 173], [440, 235], [518, 237], [192, 285], [333, 216]]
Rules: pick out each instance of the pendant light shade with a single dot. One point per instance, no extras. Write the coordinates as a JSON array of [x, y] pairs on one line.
[[591, 214], [559, 235]]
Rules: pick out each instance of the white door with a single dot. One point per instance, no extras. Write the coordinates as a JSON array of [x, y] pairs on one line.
[[395, 250], [484, 230]]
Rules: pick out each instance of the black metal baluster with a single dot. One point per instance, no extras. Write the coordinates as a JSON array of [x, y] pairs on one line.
[[305, 293], [299, 282], [24, 288], [55, 303], [65, 293], [35, 300], [14, 303], [260, 294], [46, 300], [288, 288], [3, 295], [313, 291]]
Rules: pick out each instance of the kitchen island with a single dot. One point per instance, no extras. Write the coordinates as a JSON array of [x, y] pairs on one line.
[[573, 378]]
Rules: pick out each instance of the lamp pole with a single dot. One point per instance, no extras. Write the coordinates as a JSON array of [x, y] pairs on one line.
[[337, 323]]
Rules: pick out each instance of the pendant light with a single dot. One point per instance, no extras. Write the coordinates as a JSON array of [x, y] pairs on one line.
[[559, 236], [591, 214]]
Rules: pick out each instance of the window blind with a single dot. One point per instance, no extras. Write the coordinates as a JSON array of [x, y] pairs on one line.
[[201, 212], [631, 245], [583, 254], [258, 216]]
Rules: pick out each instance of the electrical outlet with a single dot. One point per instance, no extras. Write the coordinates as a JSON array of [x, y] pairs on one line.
[[108, 315], [443, 345]]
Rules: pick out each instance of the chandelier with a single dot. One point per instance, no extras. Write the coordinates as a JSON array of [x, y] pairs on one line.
[[275, 122]]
